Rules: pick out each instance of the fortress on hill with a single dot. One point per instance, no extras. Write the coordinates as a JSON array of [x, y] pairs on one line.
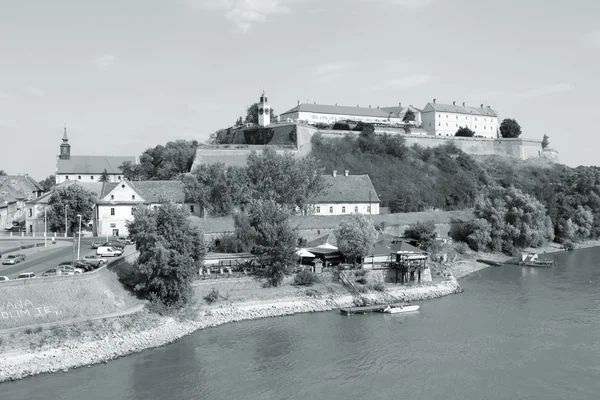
[[434, 125]]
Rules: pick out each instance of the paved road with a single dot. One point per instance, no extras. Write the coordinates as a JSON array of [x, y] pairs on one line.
[[40, 262]]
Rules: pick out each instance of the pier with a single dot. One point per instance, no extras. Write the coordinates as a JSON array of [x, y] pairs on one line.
[[368, 309]]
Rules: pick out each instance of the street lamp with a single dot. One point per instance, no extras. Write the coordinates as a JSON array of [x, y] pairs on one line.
[[79, 233], [45, 226]]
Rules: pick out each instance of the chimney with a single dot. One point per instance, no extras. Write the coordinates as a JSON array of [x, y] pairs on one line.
[[378, 107], [463, 103], [334, 173], [453, 103], [369, 106], [315, 102], [358, 105], [336, 104], [346, 172], [433, 101], [400, 104], [298, 102], [482, 106]]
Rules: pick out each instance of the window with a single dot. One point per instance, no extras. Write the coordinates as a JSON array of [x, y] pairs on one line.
[[430, 124], [133, 197], [112, 196], [439, 124], [79, 177], [343, 209], [356, 209], [192, 208], [122, 186], [457, 125], [30, 212], [119, 177], [92, 177], [446, 116], [475, 126], [318, 209], [446, 124], [475, 118], [457, 117], [330, 209], [133, 209], [368, 209], [67, 177], [439, 116], [112, 211]]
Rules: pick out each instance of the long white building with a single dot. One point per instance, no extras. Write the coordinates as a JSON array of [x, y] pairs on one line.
[[445, 119]]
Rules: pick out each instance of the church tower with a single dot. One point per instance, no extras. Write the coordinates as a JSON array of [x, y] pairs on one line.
[[264, 111], [65, 147]]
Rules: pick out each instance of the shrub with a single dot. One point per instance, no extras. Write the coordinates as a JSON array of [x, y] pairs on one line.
[[305, 278], [360, 272], [213, 296], [341, 126], [312, 292], [422, 231], [379, 286], [362, 281], [28, 331], [461, 248], [568, 245]]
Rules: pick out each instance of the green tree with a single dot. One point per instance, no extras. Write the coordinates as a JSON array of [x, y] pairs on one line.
[[72, 200], [3, 173], [463, 131], [409, 116], [275, 239], [356, 237], [131, 172], [545, 142], [48, 183], [423, 232], [171, 252], [509, 128], [163, 162], [104, 177]]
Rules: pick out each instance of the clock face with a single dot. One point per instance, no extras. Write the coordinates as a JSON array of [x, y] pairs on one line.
[[261, 111], [266, 111]]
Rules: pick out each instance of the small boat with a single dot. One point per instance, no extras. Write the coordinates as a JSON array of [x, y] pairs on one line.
[[400, 309], [532, 260], [490, 262]]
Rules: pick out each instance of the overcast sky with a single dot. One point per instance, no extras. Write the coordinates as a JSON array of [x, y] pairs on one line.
[[126, 75]]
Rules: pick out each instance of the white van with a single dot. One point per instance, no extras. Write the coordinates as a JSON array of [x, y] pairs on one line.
[[104, 251]]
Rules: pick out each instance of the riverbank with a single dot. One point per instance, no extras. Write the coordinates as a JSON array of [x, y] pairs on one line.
[[92, 342]]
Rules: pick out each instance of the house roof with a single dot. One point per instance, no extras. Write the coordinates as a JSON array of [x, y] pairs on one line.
[[400, 111], [155, 191], [347, 189], [21, 183], [387, 247], [451, 108], [341, 110], [329, 238], [93, 164], [94, 187]]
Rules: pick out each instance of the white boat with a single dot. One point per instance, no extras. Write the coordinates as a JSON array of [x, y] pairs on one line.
[[400, 309]]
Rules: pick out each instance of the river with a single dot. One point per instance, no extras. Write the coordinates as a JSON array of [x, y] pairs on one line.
[[515, 333]]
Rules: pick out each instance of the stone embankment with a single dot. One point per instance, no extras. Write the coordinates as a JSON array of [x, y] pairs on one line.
[[108, 344]]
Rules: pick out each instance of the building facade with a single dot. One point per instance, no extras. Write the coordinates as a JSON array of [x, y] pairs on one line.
[[346, 194], [327, 114], [446, 119], [87, 168]]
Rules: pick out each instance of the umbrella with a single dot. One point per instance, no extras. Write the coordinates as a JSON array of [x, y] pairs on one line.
[[327, 246], [304, 253]]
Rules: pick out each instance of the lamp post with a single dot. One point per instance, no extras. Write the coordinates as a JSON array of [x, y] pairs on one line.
[[79, 239], [66, 229], [45, 226]]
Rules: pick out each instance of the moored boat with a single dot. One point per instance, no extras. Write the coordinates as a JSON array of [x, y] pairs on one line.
[[532, 260], [400, 309]]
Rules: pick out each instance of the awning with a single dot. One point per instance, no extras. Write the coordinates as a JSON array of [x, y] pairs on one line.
[[327, 246], [304, 253]]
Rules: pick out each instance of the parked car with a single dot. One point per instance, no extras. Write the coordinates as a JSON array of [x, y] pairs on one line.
[[4, 278], [52, 272], [105, 251], [94, 260], [21, 256], [11, 259], [84, 265], [95, 245], [114, 244], [26, 275], [67, 266]]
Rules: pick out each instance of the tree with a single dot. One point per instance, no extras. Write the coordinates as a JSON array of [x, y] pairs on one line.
[[239, 121], [509, 128], [3, 173], [73, 200], [275, 240], [545, 142], [104, 177], [162, 162], [252, 113], [356, 237], [423, 232], [130, 171], [464, 131], [171, 252], [48, 183], [409, 116]]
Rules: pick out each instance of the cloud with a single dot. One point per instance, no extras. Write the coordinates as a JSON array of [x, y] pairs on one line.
[[205, 106], [546, 90], [591, 40], [331, 71], [105, 62], [403, 82], [34, 91], [404, 3], [245, 13]]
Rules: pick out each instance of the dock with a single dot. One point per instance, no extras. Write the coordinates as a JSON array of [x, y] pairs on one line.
[[368, 309]]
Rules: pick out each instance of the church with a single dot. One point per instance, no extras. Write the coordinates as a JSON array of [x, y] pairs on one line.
[[87, 168]]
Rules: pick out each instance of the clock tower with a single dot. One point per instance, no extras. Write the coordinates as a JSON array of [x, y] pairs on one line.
[[264, 111], [65, 147]]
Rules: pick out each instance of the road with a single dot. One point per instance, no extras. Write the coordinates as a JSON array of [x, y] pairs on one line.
[[40, 262]]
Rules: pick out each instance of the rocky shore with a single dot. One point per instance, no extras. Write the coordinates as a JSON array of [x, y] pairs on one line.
[[131, 334]]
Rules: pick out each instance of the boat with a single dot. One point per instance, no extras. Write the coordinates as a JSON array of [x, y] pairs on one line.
[[400, 309], [532, 260], [490, 262]]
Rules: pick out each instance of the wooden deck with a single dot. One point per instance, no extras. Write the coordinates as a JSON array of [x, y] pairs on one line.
[[367, 309]]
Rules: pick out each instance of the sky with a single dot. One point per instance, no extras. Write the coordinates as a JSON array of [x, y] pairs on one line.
[[126, 75]]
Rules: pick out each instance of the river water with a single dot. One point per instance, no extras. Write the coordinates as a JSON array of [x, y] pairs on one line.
[[515, 333]]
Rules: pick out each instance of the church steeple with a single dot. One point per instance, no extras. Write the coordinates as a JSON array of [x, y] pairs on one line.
[[65, 147]]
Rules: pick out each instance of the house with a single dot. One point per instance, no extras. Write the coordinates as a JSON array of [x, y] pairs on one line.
[[328, 114], [445, 119], [15, 191], [400, 112], [87, 168], [346, 194], [9, 208], [119, 200], [25, 186], [34, 209]]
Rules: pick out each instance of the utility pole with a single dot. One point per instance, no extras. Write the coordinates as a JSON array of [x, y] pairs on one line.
[[79, 234], [45, 227], [66, 229]]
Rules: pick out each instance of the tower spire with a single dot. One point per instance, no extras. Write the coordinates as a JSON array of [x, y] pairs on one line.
[[65, 138]]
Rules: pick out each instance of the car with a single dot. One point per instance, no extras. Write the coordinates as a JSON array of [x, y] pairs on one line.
[[52, 272], [94, 261], [11, 259], [26, 275], [4, 278], [84, 265], [115, 245], [21, 256], [67, 267], [104, 251], [95, 245]]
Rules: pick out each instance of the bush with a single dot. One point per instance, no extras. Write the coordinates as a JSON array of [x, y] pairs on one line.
[[360, 272], [341, 126], [312, 292], [305, 278], [568, 245], [379, 286], [362, 281], [213, 296], [422, 232], [461, 248]]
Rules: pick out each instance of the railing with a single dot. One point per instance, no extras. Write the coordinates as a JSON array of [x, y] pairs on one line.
[[346, 282]]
